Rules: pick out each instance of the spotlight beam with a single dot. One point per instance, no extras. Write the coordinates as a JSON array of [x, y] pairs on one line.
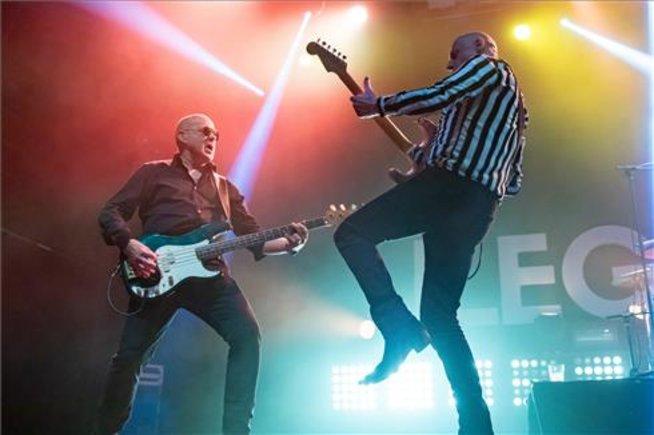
[[642, 61], [650, 37], [142, 19], [246, 166]]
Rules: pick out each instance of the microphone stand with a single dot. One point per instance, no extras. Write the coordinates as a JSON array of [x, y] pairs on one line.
[[629, 171]]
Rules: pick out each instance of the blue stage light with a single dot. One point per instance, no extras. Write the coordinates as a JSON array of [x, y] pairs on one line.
[[246, 166], [142, 19], [650, 37], [641, 61]]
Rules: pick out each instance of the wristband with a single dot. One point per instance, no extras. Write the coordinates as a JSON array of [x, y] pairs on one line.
[[380, 106]]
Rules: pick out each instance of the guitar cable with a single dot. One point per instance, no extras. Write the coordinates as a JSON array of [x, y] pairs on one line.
[[74, 260], [481, 249], [113, 306]]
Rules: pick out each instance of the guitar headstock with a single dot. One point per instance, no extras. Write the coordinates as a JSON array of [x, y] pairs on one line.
[[332, 59], [335, 214]]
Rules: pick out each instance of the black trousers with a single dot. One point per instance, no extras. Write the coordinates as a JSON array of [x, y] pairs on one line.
[[453, 214], [220, 303]]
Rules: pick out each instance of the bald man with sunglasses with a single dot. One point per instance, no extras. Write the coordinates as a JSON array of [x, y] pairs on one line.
[[174, 197]]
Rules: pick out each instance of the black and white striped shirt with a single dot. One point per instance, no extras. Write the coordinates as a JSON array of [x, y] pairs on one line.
[[480, 132]]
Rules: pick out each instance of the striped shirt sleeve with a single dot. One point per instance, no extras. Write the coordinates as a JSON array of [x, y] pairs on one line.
[[515, 182], [514, 185], [468, 81]]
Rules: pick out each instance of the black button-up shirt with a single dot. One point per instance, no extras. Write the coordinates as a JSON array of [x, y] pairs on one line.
[[170, 202]]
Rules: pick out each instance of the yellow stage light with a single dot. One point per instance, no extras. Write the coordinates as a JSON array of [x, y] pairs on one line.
[[357, 15], [522, 32]]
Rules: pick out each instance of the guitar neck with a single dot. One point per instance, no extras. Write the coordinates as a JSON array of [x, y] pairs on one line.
[[395, 134], [215, 249]]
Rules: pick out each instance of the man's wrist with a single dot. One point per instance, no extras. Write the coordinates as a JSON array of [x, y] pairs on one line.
[[122, 239]]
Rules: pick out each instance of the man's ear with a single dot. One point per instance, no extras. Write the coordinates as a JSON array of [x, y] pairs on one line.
[[480, 45]]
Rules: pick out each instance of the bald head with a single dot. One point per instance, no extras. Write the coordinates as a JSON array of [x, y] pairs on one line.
[[469, 45], [190, 121]]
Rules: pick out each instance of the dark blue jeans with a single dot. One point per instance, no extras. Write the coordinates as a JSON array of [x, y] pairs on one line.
[[220, 303], [453, 214]]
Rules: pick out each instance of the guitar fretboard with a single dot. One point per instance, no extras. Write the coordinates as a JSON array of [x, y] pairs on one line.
[[215, 249]]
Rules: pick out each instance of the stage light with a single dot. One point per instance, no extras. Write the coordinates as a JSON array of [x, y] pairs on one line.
[[635, 58], [246, 165], [532, 370], [642, 61], [412, 387], [347, 394], [599, 367], [484, 369], [367, 329], [522, 32], [357, 15], [650, 38], [140, 18]]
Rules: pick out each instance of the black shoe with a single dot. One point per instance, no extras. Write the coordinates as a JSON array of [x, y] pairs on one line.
[[396, 349]]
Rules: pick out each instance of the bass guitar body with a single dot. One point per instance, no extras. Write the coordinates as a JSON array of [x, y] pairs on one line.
[[177, 261]]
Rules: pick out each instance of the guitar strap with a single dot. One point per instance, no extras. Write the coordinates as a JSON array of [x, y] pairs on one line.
[[223, 193]]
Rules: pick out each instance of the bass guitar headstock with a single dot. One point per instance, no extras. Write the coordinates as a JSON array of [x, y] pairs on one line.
[[336, 214], [332, 59]]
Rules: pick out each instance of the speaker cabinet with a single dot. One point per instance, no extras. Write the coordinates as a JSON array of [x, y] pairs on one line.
[[620, 406]]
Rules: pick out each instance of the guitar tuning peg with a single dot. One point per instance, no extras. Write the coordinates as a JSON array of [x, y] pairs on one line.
[[332, 207], [323, 42], [344, 57], [343, 208]]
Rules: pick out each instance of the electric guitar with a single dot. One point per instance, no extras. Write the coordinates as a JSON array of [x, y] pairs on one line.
[[334, 61], [182, 257]]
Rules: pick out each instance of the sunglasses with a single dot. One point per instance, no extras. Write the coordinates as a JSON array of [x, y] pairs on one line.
[[208, 131]]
